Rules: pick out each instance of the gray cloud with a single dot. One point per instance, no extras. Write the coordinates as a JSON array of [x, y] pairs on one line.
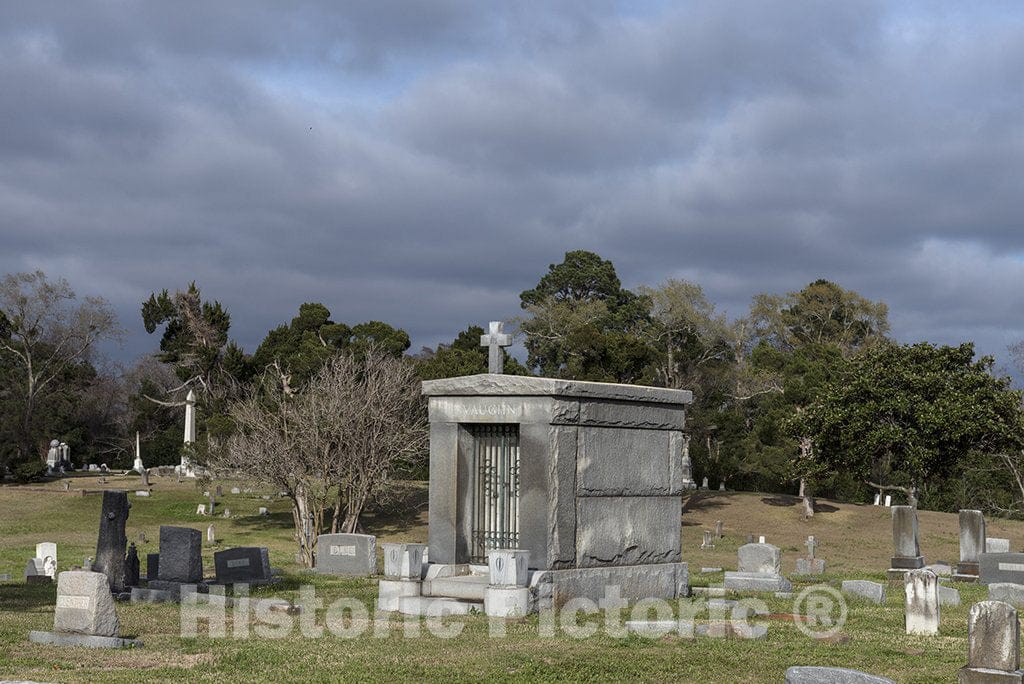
[[422, 163]]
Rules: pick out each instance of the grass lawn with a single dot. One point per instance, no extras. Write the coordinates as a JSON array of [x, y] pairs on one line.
[[855, 541]]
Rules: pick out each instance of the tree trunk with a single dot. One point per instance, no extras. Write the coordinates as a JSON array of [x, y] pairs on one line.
[[338, 508], [808, 500], [304, 531]]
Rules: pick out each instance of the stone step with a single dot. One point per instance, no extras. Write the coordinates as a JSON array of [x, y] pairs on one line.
[[468, 587], [437, 605]]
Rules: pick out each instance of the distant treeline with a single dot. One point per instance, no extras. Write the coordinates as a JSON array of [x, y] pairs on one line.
[[805, 394]]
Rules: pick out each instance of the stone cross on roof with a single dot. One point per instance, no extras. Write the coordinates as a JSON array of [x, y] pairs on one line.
[[495, 340], [811, 544]]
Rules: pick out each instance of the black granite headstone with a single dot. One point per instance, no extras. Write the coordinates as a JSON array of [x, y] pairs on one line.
[[152, 566], [131, 567]]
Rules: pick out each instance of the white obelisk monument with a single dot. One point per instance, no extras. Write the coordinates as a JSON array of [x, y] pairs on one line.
[[138, 467], [186, 467]]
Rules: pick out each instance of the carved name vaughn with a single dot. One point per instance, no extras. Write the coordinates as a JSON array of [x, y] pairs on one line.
[[497, 409]]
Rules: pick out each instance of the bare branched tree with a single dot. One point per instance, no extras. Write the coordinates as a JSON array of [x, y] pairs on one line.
[[272, 445], [386, 429], [44, 331], [338, 440]]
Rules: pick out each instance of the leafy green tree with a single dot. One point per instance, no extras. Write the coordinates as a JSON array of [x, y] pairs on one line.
[[821, 313], [296, 351], [464, 356], [686, 334], [379, 336], [583, 324], [816, 326], [899, 415], [195, 344], [195, 337]]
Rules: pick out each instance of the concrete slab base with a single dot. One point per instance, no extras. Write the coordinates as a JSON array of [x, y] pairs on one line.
[[82, 640], [435, 606], [389, 592], [756, 581]]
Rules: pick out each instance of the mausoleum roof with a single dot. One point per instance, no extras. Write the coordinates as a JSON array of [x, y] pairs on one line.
[[487, 384]]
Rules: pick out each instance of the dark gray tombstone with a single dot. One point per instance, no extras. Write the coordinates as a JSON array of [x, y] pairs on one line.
[[346, 554], [906, 547], [131, 567], [181, 558], [152, 566], [248, 564], [110, 546], [1001, 567]]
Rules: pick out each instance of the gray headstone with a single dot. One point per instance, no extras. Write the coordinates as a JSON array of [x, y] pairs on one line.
[[763, 558], [346, 554], [972, 541], [993, 636], [803, 674], [242, 564], [719, 528], [84, 604], [760, 569], [110, 546], [1007, 592], [997, 545], [922, 602], [810, 566], [709, 540], [906, 548], [948, 596], [1001, 567], [219, 491], [872, 591], [181, 554], [236, 490]]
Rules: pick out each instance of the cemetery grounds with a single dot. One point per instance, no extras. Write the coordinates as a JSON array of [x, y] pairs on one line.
[[856, 542]]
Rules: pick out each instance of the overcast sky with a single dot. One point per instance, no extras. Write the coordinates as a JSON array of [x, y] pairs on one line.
[[423, 162]]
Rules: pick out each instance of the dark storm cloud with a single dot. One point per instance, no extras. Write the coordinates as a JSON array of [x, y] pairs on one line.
[[422, 163]]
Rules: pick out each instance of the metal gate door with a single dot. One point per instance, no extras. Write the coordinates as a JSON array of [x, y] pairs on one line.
[[495, 507]]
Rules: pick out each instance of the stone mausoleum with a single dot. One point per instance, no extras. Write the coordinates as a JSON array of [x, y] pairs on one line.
[[587, 477]]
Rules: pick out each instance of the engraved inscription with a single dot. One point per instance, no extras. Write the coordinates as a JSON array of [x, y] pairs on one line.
[[1012, 567], [74, 602], [238, 563], [343, 550]]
